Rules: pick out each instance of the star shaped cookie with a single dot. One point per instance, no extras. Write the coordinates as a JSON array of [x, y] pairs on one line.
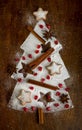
[[26, 69], [45, 98], [54, 68], [24, 97], [40, 14]]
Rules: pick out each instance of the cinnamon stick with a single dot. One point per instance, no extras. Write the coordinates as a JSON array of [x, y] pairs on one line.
[[35, 34], [27, 68], [35, 82], [36, 62], [40, 116]]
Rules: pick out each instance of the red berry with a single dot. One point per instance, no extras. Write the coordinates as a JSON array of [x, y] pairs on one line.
[[23, 58], [25, 109], [38, 46], [48, 108], [48, 77], [19, 80], [57, 93], [66, 106], [49, 59], [48, 97], [56, 42], [30, 55], [35, 97], [31, 87], [41, 26], [36, 51], [56, 104], [48, 26], [35, 74], [60, 85], [16, 59], [40, 68], [67, 89], [42, 80], [33, 108]]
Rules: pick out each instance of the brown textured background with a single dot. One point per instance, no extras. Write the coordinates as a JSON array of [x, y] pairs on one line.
[[65, 19]]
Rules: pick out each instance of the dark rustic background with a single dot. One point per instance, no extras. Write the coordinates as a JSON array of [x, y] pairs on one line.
[[65, 19]]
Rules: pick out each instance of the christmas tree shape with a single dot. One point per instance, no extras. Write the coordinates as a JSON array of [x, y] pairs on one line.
[[41, 72]]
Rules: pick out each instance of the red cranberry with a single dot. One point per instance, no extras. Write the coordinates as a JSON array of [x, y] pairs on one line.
[[30, 55], [35, 74], [38, 46], [66, 106], [19, 80], [48, 108], [23, 58], [31, 87], [36, 51], [49, 97], [33, 108], [67, 89], [48, 77], [16, 59], [56, 104], [25, 109], [49, 59], [60, 85], [57, 93], [42, 80], [56, 42], [40, 68], [41, 26], [35, 97]]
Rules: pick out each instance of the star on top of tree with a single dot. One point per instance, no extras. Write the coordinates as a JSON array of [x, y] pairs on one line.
[[40, 14]]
